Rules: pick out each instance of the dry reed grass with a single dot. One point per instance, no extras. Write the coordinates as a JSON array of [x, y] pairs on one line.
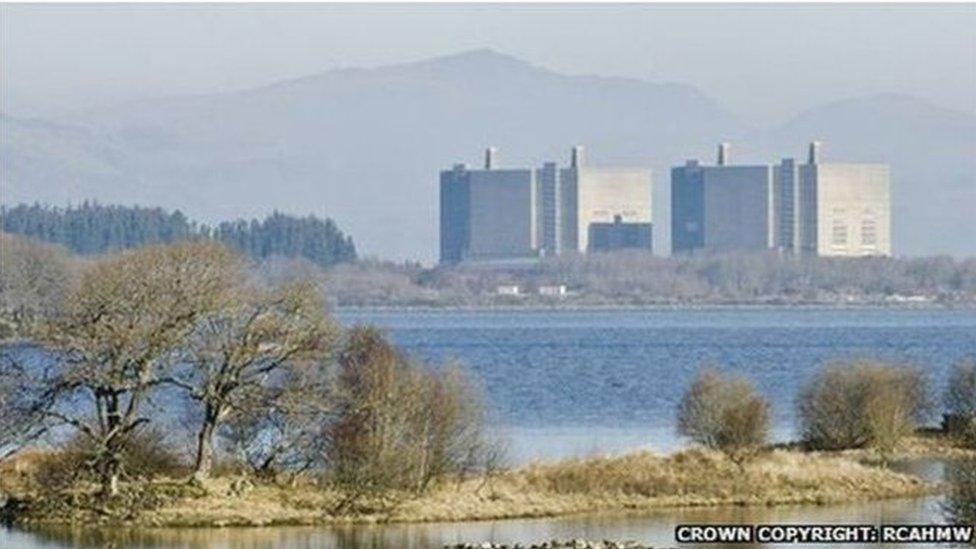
[[633, 482]]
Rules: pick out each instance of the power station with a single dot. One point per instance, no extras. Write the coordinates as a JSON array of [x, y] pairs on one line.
[[815, 208], [498, 213], [811, 208]]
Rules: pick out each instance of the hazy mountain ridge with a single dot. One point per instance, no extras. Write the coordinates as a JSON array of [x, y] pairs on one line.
[[364, 146]]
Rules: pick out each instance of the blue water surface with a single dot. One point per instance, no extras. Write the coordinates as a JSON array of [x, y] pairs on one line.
[[576, 381]]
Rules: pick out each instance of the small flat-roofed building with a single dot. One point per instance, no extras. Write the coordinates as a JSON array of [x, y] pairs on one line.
[[617, 235], [556, 290], [508, 289]]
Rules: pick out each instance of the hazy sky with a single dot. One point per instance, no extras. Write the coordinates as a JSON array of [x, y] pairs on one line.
[[765, 62]]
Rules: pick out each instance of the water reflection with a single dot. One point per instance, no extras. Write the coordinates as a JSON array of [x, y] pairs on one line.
[[656, 529]]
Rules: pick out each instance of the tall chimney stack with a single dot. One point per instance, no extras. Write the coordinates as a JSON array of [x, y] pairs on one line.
[[490, 158], [723, 153], [576, 160], [814, 156]]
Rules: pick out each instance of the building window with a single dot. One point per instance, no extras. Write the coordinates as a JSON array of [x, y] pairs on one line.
[[869, 232], [838, 229]]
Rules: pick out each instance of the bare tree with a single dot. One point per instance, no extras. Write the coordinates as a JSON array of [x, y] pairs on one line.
[[399, 426], [889, 418], [21, 405], [451, 427], [129, 313], [287, 432], [376, 398], [239, 355], [35, 279]]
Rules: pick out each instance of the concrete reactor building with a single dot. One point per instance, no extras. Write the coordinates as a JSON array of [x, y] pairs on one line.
[[496, 213], [817, 208]]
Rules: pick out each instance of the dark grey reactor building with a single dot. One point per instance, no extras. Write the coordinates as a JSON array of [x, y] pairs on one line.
[[817, 208], [498, 213]]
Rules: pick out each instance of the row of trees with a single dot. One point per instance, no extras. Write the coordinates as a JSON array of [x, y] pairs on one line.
[[860, 404], [92, 228], [632, 277], [266, 374]]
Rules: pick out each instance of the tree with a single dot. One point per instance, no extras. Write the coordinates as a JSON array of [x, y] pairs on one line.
[[286, 432], [34, 281], [95, 228], [239, 355], [960, 401], [130, 312], [889, 418], [726, 414], [21, 405], [399, 426], [377, 397]]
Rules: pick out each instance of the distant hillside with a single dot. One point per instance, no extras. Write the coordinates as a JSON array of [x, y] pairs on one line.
[[365, 146], [93, 228]]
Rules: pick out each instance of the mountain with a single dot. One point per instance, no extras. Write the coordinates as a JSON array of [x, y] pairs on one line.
[[364, 146]]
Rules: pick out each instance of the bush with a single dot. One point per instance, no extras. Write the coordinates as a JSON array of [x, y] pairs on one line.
[[862, 404], [145, 453], [960, 402], [960, 501], [724, 413], [399, 426]]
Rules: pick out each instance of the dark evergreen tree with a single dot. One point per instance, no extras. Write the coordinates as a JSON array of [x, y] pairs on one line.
[[93, 228]]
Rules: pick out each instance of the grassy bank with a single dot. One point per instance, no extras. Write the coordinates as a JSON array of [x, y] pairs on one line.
[[633, 482]]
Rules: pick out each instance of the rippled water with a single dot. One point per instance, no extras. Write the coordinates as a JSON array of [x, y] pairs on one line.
[[571, 382]]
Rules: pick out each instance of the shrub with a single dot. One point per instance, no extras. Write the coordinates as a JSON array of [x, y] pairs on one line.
[[862, 404], [724, 413], [960, 501], [145, 453], [399, 426], [960, 402]]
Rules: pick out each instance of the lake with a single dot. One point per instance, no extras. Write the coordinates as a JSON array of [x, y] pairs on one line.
[[567, 383], [581, 382]]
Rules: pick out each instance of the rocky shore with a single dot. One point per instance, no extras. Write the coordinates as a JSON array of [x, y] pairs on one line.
[[555, 544]]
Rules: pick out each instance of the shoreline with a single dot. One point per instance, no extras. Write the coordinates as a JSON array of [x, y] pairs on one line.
[[637, 482], [655, 307]]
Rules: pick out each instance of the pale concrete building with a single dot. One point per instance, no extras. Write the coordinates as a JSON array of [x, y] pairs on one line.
[[817, 208], [834, 209], [511, 213], [601, 196], [558, 290], [508, 289]]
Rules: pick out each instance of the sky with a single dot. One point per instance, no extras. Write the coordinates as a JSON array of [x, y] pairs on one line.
[[765, 62]]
